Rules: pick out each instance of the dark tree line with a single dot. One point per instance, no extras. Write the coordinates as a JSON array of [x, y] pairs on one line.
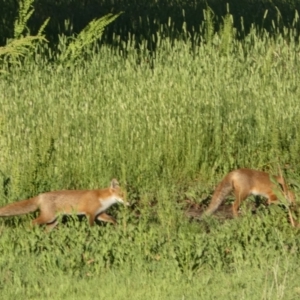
[[145, 17]]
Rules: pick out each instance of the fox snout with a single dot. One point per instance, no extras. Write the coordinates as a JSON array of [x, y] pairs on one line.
[[121, 200], [124, 202]]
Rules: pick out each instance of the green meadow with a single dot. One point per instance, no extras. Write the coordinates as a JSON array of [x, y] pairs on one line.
[[168, 125]]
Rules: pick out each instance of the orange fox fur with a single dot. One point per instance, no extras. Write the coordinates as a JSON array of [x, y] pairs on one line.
[[92, 203], [246, 182]]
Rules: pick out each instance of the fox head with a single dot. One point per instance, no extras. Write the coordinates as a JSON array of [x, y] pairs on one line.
[[119, 194]]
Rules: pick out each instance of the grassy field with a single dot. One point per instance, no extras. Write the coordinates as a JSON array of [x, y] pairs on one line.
[[168, 127]]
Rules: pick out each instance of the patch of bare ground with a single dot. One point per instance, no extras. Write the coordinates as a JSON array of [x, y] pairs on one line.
[[195, 210]]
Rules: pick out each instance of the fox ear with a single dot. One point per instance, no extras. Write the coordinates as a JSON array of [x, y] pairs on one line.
[[114, 184]]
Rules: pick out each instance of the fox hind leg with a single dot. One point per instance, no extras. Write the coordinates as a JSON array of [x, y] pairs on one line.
[[240, 196], [91, 218], [44, 219], [49, 220], [50, 226]]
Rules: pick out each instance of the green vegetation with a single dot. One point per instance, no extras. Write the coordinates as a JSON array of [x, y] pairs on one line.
[[168, 125]]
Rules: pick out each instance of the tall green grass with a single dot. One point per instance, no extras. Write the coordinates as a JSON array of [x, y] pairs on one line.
[[189, 116], [168, 127]]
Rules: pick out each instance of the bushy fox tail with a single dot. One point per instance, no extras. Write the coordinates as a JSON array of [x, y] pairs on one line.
[[19, 208], [222, 191]]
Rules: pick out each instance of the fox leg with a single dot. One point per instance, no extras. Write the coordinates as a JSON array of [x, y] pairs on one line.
[[106, 218], [91, 218], [272, 198], [49, 220], [43, 219], [240, 196], [51, 225]]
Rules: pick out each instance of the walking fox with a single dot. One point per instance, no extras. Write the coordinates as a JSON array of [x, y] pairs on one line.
[[92, 203], [246, 182]]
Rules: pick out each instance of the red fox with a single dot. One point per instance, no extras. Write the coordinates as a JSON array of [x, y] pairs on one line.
[[246, 182], [92, 203]]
